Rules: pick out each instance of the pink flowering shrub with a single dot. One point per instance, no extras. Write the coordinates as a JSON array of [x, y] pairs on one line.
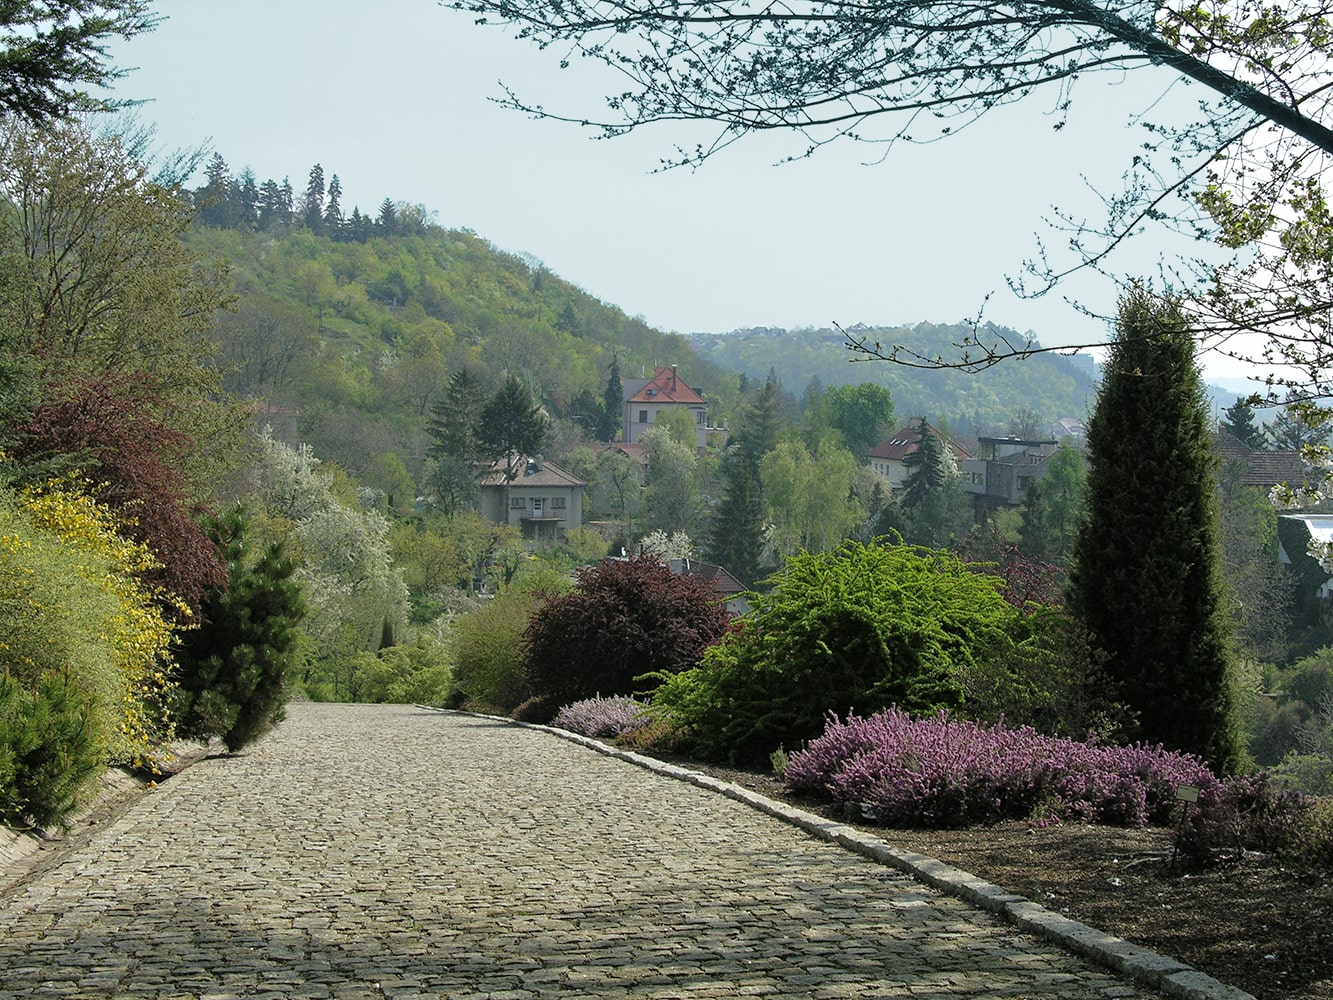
[[940, 771], [602, 716]]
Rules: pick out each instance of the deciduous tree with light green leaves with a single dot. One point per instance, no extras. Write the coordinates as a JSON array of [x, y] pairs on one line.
[[810, 499], [863, 414]]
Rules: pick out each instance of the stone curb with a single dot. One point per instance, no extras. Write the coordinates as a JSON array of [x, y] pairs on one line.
[[1168, 976], [24, 853]]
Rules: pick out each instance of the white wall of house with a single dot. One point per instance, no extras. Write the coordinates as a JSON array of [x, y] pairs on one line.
[[639, 417]]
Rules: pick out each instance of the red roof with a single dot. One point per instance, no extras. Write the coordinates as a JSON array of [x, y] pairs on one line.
[[904, 441], [666, 386]]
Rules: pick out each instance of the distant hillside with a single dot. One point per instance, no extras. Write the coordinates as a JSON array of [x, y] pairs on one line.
[[353, 340], [1052, 385]]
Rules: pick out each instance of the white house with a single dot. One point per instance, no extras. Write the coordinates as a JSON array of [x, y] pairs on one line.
[[646, 399]]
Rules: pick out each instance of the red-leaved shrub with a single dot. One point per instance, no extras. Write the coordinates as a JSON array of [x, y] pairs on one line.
[[623, 619]]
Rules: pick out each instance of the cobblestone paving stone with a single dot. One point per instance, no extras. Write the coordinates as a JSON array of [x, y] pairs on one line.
[[386, 851]]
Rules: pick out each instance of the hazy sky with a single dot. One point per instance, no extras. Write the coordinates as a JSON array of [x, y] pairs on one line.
[[395, 98]]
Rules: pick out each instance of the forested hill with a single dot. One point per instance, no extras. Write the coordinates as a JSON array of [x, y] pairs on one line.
[[354, 339], [350, 325], [986, 402]]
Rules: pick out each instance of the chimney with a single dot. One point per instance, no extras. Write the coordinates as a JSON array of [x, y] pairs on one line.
[[673, 378]]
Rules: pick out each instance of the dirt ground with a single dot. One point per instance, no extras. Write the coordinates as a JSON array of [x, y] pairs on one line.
[[1252, 923]]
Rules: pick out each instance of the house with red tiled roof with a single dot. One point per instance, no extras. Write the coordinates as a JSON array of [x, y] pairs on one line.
[[646, 399], [888, 458], [539, 497]]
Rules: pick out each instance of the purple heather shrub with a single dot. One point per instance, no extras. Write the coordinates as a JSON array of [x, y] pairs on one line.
[[602, 716], [1249, 813], [940, 771]]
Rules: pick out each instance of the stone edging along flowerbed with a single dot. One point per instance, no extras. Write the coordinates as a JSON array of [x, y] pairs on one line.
[[1167, 975]]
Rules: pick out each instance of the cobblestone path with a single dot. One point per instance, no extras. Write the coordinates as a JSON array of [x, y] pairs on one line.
[[382, 851]]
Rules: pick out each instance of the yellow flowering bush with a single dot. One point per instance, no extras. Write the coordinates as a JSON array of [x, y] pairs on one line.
[[72, 603]]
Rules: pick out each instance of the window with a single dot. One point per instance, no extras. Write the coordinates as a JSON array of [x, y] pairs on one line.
[[643, 416], [699, 416], [518, 503], [557, 503]]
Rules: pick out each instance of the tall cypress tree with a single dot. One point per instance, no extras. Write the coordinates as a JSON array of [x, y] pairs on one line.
[[613, 401], [737, 538], [1146, 579]]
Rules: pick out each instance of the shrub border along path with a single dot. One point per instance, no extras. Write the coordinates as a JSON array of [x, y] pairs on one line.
[[1167, 975]]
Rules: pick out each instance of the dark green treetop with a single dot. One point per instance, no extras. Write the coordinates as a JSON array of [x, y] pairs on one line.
[[51, 50], [1241, 424], [511, 424]]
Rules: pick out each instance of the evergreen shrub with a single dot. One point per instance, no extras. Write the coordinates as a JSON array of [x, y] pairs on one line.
[[856, 629], [49, 749], [236, 668]]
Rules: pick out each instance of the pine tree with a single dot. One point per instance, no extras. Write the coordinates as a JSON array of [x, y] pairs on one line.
[[1146, 580], [737, 538], [359, 227], [511, 424], [270, 205], [1241, 425], [933, 510], [247, 198], [453, 421], [234, 668], [312, 204], [762, 421], [387, 222], [333, 211], [286, 208], [215, 199], [926, 466]]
